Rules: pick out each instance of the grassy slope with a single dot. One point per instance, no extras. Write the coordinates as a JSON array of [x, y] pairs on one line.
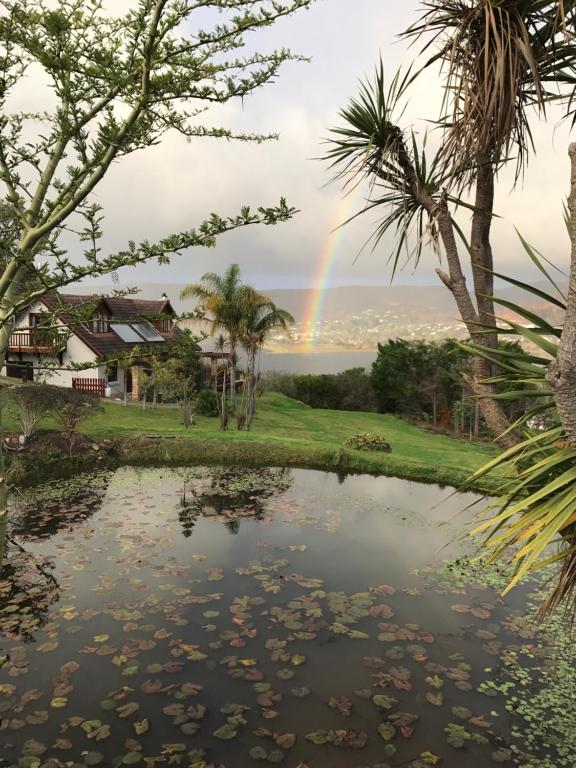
[[288, 432]]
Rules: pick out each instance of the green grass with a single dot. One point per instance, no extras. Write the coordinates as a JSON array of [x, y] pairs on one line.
[[285, 432]]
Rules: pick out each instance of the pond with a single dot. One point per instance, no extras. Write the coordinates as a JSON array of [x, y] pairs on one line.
[[240, 618]]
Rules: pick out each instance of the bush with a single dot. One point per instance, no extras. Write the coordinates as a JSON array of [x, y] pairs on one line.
[[33, 402], [349, 390], [206, 404], [368, 441], [72, 407]]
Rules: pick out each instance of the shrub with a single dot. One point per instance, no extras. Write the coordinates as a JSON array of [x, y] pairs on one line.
[[72, 407], [368, 441], [349, 390], [206, 404], [33, 402]]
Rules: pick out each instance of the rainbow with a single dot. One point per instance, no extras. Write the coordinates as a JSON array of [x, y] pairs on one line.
[[324, 268]]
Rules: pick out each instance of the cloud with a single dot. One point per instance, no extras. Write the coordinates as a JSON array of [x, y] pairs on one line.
[[175, 185]]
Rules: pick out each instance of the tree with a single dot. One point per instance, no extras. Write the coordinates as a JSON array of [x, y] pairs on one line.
[[261, 317], [178, 377], [224, 299], [118, 84], [499, 59]]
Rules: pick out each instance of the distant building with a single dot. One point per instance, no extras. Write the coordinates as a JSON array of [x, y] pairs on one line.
[[96, 331]]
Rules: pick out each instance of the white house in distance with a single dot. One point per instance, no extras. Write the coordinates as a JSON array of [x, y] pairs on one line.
[[109, 329]]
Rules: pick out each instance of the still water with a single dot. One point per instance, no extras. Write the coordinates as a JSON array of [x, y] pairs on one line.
[[236, 618]]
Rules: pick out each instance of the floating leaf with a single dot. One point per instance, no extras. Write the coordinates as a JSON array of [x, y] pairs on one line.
[[127, 709], [141, 727], [132, 758], [386, 731], [384, 702], [226, 732]]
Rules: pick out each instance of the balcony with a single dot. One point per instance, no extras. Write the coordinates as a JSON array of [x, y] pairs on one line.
[[40, 340]]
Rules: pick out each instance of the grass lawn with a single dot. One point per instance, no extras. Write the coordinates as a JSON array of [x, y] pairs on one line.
[[285, 432]]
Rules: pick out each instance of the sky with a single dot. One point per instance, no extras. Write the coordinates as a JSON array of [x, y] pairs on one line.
[[174, 186]]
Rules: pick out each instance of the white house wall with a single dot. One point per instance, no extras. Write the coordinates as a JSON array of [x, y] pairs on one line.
[[76, 352]]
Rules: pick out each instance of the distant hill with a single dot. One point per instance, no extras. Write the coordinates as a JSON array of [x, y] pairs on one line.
[[341, 302]]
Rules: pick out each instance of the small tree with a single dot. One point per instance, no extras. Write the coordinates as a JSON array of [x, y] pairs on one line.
[[33, 404], [71, 408], [179, 377]]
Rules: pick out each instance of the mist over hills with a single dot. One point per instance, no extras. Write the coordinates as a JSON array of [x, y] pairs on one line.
[[340, 302], [357, 318]]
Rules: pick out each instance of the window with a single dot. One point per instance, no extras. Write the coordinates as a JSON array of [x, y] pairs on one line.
[[112, 373], [99, 324], [23, 370], [164, 324], [35, 319]]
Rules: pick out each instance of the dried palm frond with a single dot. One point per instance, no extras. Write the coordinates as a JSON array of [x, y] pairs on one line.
[[501, 58]]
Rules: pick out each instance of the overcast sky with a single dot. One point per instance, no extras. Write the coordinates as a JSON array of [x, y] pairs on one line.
[[174, 186]]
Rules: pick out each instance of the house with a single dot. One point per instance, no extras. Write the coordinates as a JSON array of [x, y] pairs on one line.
[[95, 331]]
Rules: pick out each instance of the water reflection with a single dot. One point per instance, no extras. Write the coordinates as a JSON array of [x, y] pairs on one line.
[[161, 631]]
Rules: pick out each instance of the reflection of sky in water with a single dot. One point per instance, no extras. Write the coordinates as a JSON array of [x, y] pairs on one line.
[[130, 557]]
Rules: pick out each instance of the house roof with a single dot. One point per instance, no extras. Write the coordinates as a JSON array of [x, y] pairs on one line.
[[108, 345]]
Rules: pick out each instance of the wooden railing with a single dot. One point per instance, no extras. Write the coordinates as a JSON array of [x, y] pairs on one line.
[[37, 339], [94, 386]]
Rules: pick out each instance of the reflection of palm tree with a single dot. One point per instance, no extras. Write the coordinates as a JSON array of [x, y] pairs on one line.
[[233, 525], [188, 513]]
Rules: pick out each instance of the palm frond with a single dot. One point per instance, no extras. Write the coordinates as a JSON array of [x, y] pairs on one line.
[[370, 145], [535, 512]]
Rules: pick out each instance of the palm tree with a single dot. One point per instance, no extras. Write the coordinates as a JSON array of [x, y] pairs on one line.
[[222, 297], [261, 317], [500, 58]]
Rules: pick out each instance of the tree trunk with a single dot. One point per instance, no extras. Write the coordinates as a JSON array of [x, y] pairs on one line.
[[5, 331], [562, 370], [223, 414], [481, 251], [250, 381], [455, 281], [233, 375]]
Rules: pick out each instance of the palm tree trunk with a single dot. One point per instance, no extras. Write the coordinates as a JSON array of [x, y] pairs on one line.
[[562, 371], [250, 380], [455, 281], [223, 414], [233, 375]]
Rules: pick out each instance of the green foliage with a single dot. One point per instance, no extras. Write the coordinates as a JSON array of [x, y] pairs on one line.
[[416, 377], [534, 520], [206, 403], [368, 441], [178, 378], [349, 390]]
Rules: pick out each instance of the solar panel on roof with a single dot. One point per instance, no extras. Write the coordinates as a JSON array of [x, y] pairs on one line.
[[147, 330], [126, 333]]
